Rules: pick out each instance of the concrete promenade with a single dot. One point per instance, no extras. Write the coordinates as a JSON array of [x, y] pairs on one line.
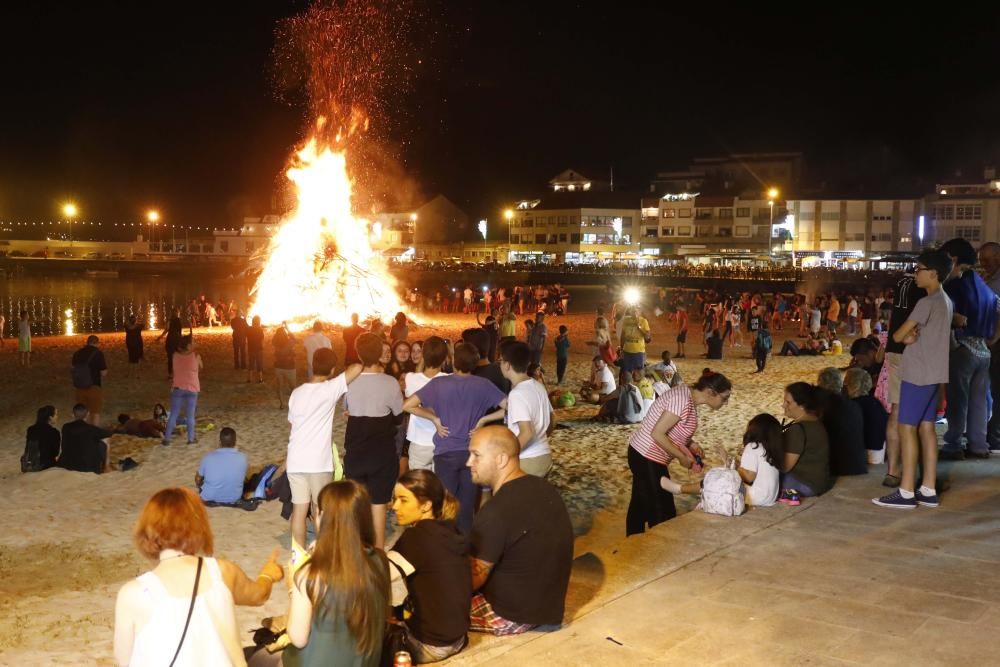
[[836, 581]]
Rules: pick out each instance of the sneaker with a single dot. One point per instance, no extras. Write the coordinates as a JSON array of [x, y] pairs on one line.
[[790, 497], [951, 455], [926, 501], [973, 454], [891, 481], [165, 442], [895, 500], [995, 449]]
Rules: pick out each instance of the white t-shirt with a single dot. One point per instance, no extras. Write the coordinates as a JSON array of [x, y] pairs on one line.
[[528, 402], [764, 490], [852, 308], [607, 377], [313, 342], [310, 412], [420, 431]]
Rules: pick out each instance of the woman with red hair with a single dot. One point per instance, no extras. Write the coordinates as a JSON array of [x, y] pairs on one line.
[[182, 610]]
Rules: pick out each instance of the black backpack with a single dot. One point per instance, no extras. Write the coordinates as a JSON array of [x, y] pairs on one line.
[[82, 378], [31, 460]]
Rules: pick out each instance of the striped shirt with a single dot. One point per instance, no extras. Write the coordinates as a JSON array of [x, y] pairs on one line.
[[678, 402]]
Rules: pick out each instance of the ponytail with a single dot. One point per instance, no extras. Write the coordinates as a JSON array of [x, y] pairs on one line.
[[449, 507], [713, 381]]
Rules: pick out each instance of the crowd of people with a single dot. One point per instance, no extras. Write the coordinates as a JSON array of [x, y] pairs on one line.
[[450, 438]]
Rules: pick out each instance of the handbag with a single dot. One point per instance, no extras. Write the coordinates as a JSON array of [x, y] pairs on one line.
[[397, 637], [187, 622]]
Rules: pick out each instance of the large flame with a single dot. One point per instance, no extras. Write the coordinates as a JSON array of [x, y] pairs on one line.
[[320, 264]]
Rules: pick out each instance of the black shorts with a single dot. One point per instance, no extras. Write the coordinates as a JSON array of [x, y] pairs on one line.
[[377, 474], [682, 336]]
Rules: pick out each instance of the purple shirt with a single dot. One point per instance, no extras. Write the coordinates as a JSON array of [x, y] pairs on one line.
[[459, 402]]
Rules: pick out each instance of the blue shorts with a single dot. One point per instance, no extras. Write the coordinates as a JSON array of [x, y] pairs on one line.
[[633, 361], [917, 403]]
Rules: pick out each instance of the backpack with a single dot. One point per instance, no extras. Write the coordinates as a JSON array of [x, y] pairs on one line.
[[722, 491], [80, 373], [764, 341], [263, 480], [31, 460], [629, 405]]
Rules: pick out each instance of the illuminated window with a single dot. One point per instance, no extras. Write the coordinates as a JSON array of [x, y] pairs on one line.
[[670, 213]]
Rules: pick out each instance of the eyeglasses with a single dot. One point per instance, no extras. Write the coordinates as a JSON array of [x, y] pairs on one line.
[[922, 268]]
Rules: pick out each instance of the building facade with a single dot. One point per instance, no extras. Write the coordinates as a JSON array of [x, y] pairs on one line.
[[970, 211], [840, 229]]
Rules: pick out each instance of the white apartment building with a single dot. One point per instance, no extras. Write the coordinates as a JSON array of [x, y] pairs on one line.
[[573, 227], [859, 228], [970, 211]]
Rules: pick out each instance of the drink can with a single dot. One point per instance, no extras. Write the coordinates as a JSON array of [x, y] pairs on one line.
[[402, 659]]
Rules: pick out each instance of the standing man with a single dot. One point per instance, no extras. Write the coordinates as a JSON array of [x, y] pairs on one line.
[[310, 462], [88, 369], [682, 330], [457, 405], [317, 340], [852, 316], [239, 325], [635, 333], [467, 294], [989, 259], [536, 339], [926, 333], [529, 411], [974, 330], [351, 334], [833, 313]]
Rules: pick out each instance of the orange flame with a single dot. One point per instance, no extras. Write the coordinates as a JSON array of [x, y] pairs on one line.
[[320, 264]]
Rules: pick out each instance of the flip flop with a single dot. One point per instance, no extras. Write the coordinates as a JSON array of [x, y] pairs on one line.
[[891, 481]]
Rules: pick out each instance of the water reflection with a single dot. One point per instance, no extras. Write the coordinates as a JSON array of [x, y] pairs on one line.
[[71, 306]]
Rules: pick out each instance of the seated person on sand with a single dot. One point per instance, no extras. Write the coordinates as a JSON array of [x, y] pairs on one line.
[[763, 450], [844, 425], [521, 541], [41, 442], [85, 447], [601, 386], [805, 470], [665, 370], [864, 355], [222, 472], [143, 428]]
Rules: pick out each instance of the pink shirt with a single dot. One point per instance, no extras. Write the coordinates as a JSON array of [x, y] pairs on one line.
[[186, 371], [678, 402]]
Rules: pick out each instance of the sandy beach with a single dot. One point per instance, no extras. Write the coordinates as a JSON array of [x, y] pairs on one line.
[[66, 547]]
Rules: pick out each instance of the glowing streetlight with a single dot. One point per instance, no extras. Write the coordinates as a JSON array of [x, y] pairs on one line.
[[153, 216], [509, 216], [631, 296], [772, 194], [69, 210]]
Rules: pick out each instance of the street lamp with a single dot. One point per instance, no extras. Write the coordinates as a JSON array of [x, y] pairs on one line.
[[70, 211], [772, 194], [153, 216], [509, 215]]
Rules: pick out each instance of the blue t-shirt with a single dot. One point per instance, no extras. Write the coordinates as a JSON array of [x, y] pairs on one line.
[[562, 347], [224, 471], [458, 401]]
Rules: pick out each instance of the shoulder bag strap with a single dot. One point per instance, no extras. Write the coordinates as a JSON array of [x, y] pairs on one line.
[[194, 595]]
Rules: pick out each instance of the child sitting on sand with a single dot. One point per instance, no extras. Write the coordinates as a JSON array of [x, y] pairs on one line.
[[664, 371], [763, 449]]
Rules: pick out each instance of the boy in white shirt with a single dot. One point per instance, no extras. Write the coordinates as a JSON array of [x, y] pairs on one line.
[[310, 463], [529, 412]]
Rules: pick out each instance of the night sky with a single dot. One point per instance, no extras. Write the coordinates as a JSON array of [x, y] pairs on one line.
[[125, 107]]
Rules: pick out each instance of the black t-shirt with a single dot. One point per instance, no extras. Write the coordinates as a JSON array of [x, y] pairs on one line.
[[845, 429], [715, 348], [441, 586], [904, 301], [48, 439], [255, 338], [82, 449], [93, 357], [492, 373], [526, 533]]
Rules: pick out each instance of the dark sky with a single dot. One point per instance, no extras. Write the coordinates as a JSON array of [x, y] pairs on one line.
[[129, 105]]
